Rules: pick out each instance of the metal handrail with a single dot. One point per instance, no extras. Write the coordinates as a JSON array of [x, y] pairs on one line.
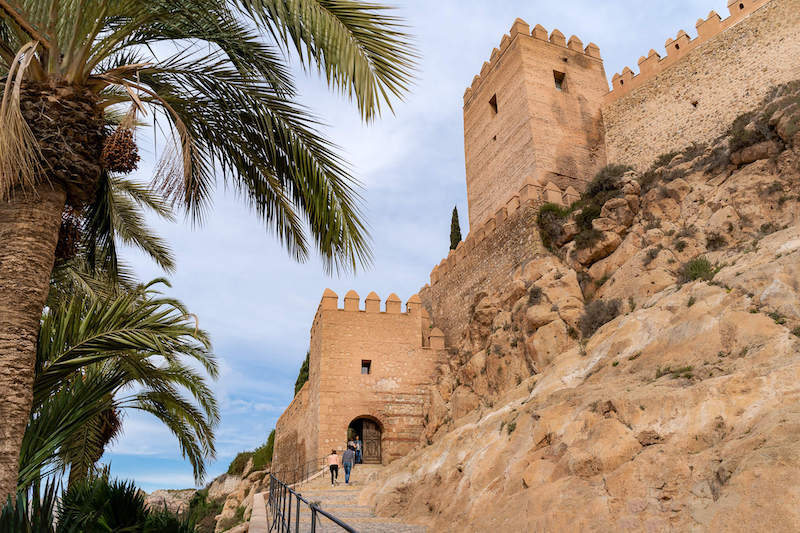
[[280, 507]]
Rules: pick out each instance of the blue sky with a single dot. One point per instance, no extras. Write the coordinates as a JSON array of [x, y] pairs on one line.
[[258, 305]]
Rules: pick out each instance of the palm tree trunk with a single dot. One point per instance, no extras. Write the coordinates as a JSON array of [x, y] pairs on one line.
[[29, 225]]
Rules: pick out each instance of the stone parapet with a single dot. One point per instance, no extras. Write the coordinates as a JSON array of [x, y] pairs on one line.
[[679, 47], [531, 194], [520, 27]]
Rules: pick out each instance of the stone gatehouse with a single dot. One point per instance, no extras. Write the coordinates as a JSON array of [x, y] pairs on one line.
[[369, 373]]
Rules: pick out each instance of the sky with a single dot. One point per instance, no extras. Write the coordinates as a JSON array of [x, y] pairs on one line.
[[258, 304]]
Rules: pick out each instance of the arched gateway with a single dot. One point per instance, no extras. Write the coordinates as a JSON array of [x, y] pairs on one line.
[[369, 431], [370, 373]]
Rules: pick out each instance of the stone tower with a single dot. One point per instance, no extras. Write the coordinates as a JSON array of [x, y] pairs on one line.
[[532, 116]]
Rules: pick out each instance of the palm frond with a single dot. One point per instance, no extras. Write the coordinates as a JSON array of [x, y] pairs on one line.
[[363, 51]]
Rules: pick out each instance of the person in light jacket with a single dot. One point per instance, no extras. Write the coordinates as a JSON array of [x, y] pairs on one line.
[[333, 463], [348, 459]]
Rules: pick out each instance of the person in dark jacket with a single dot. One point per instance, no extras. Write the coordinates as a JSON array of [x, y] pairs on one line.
[[348, 459]]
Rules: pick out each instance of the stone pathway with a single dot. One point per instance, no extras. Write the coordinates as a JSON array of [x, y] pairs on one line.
[[342, 502]]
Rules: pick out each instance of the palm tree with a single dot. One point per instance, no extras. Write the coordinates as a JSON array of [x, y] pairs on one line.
[[98, 357], [228, 101]]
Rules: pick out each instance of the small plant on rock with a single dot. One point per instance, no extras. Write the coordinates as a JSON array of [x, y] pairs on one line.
[[534, 295], [680, 245], [698, 268], [650, 255], [587, 238], [551, 219], [596, 314], [715, 241]]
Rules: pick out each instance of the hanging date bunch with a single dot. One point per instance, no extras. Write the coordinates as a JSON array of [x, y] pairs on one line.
[[69, 234], [120, 153]]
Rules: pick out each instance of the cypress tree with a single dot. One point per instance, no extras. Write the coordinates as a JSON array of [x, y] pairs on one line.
[[302, 376], [455, 230]]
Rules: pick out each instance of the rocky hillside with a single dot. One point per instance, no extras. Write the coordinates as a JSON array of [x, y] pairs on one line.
[[646, 374], [224, 505]]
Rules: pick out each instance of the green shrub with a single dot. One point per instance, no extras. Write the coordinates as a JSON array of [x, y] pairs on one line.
[[587, 238], [551, 220], [231, 521], [715, 241], [302, 376], [651, 254], [680, 245], [597, 313], [202, 512], [262, 456], [796, 331], [33, 512], [691, 301], [587, 214], [534, 295], [693, 151], [164, 521], [686, 231], [697, 268], [739, 137], [239, 462], [511, 427], [606, 180], [768, 228], [663, 160]]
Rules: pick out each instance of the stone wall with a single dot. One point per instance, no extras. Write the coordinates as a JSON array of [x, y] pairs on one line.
[[296, 434], [488, 259], [403, 365], [403, 349], [521, 126], [695, 93]]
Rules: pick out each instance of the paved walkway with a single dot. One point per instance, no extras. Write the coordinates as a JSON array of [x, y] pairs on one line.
[[342, 502]]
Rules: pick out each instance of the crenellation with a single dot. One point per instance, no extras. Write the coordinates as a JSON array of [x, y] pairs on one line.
[[373, 303], [679, 47], [393, 304]]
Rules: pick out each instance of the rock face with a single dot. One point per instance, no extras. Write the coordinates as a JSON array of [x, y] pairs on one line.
[[177, 501], [678, 415]]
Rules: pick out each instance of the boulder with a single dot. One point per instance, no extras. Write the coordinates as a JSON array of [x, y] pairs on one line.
[[762, 150], [608, 242]]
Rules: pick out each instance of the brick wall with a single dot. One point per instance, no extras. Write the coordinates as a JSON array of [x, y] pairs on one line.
[[695, 93]]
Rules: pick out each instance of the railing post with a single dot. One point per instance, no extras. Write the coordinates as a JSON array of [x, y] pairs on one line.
[[289, 515], [297, 516], [313, 518]]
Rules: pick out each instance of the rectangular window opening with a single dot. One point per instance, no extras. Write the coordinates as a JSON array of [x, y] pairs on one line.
[[493, 103], [558, 77], [366, 367]]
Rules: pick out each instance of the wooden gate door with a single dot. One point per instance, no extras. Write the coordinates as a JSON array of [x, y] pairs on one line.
[[372, 442]]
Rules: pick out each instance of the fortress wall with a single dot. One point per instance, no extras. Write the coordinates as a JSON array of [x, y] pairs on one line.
[[521, 126], [489, 258], [295, 433], [403, 365], [695, 93]]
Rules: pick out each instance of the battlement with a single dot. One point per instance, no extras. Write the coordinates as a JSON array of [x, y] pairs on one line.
[[413, 323], [372, 303], [679, 47], [530, 194], [520, 27]]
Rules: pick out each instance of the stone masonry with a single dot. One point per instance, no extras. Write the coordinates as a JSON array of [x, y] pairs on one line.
[[403, 351], [532, 116], [531, 137], [539, 121]]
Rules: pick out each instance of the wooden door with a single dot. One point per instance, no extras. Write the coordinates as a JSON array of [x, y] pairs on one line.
[[372, 442]]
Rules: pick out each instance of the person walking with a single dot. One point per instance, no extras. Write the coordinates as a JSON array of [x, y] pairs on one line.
[[348, 459], [358, 450], [333, 464]]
